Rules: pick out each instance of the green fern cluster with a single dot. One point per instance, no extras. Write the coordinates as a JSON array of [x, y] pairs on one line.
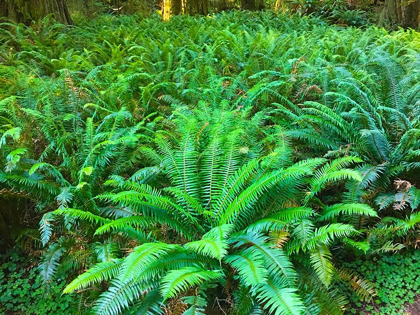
[[211, 163], [229, 216]]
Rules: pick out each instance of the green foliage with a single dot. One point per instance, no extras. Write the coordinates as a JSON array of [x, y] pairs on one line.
[[395, 278], [334, 11], [22, 290], [212, 226], [242, 151]]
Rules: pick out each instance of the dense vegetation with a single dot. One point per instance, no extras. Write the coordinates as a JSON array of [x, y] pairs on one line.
[[388, 13], [395, 277], [22, 291], [226, 164]]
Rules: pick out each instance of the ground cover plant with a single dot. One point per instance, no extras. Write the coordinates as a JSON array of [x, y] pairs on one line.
[[22, 291], [224, 164], [394, 293]]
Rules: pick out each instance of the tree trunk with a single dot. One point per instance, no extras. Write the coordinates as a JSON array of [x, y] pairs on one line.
[[248, 5], [403, 13], [252, 5], [176, 7], [171, 7], [194, 7], [26, 11], [166, 10], [203, 7], [222, 5]]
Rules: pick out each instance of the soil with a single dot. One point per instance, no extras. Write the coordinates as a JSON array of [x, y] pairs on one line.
[[413, 309]]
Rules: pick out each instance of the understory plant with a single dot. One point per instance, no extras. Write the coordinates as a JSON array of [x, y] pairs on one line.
[[22, 291], [394, 294], [209, 164], [224, 222]]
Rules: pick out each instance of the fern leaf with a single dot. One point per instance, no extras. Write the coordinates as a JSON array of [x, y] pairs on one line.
[[279, 299], [320, 258], [250, 266], [180, 280], [348, 209], [103, 271], [141, 257]]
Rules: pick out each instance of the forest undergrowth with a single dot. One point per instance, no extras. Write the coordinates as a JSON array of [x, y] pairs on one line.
[[228, 164]]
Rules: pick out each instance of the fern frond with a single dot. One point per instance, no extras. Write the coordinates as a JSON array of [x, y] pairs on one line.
[[250, 266], [177, 281], [320, 258], [141, 257], [278, 299], [348, 209], [103, 271]]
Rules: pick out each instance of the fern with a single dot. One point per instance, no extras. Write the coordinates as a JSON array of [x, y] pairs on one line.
[[179, 280], [278, 299], [106, 270], [242, 151]]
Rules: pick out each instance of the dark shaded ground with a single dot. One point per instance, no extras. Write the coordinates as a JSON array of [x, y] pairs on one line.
[[413, 309]]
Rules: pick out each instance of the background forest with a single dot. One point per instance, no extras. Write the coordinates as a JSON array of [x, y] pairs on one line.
[[215, 157]]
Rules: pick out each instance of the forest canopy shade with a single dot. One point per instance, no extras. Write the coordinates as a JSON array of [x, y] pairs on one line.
[[391, 13], [25, 11]]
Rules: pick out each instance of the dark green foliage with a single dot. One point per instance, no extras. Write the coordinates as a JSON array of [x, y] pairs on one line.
[[395, 278], [335, 11], [23, 291]]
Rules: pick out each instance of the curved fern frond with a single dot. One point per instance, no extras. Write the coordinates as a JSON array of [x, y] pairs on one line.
[[180, 280], [103, 271], [141, 257], [348, 209]]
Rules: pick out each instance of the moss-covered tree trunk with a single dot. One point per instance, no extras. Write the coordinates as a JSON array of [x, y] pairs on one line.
[[403, 13], [25, 11]]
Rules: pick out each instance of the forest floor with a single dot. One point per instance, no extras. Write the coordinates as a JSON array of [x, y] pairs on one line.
[[413, 309], [82, 89]]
